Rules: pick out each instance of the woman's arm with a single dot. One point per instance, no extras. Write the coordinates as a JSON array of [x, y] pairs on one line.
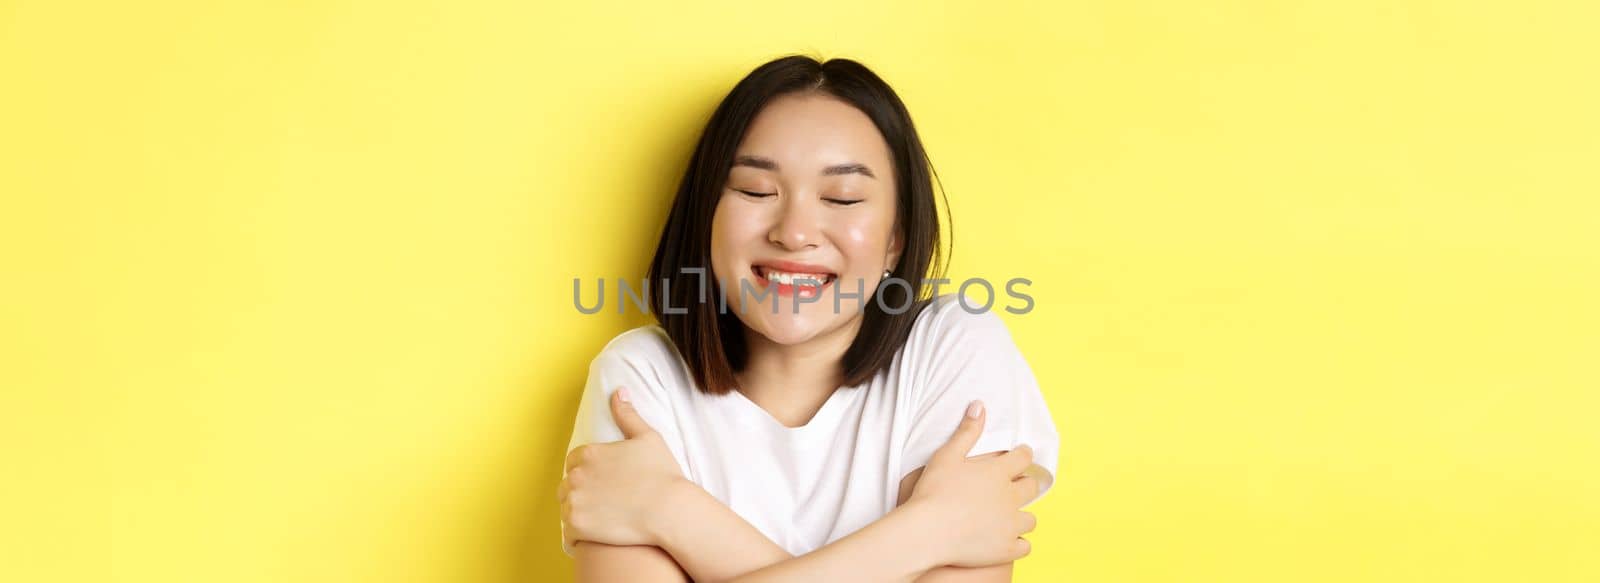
[[947, 574], [710, 540], [599, 563], [895, 548], [713, 543], [899, 547]]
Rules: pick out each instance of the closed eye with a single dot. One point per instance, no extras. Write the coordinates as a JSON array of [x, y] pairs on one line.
[[842, 201], [757, 194]]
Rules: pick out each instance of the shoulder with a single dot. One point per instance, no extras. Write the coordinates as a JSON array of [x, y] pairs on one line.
[[951, 341], [642, 345], [948, 323], [643, 356]]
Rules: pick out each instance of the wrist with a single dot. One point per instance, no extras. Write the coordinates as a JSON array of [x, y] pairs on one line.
[[918, 524], [678, 501]]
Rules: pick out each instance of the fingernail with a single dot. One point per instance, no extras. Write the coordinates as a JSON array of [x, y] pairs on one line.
[[975, 409], [622, 393]]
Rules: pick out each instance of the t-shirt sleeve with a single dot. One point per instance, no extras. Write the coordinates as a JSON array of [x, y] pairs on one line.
[[615, 367], [960, 357]]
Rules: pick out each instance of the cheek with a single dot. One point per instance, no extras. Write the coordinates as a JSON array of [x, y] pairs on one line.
[[865, 239], [733, 229], [857, 236]]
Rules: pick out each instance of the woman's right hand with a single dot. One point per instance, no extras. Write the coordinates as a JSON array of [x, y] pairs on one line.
[[621, 493], [975, 503]]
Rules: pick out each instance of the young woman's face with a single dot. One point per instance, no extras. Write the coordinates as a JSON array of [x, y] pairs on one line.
[[811, 195]]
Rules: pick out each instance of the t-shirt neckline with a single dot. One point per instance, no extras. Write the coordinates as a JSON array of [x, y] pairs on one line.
[[826, 415]]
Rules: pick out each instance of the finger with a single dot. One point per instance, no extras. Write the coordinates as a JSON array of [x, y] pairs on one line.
[[1017, 460], [1025, 489], [626, 415], [1026, 522], [577, 455], [966, 434], [561, 491], [576, 478], [1021, 548], [569, 534]]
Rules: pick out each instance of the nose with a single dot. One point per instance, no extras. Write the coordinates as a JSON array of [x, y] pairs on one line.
[[797, 226]]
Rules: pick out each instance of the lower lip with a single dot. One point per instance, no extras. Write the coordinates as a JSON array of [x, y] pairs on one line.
[[787, 289]]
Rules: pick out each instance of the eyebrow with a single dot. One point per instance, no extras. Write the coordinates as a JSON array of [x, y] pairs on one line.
[[834, 170]]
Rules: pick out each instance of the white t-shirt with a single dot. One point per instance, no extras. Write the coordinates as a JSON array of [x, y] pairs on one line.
[[807, 486]]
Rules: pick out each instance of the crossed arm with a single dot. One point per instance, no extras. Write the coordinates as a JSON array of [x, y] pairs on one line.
[[744, 550], [957, 519]]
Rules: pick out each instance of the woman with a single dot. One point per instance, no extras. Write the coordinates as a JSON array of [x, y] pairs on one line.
[[797, 415]]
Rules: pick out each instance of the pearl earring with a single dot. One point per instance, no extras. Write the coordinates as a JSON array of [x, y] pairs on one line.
[[886, 274]]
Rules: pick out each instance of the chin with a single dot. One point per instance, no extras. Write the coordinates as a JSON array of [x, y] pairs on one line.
[[789, 328]]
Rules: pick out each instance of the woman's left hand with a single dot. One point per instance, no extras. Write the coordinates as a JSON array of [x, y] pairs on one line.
[[617, 493]]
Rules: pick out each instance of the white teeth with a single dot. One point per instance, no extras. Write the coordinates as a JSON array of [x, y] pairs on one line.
[[785, 278]]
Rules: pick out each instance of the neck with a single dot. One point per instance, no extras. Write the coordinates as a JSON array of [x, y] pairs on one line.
[[791, 382]]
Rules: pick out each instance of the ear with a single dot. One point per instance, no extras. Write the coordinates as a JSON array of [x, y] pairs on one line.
[[896, 246]]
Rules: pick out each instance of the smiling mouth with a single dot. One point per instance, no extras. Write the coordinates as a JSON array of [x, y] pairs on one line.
[[787, 283]]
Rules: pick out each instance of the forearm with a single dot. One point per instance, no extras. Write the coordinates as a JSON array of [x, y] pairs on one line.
[[992, 574], [898, 547], [713, 544], [711, 541], [598, 563]]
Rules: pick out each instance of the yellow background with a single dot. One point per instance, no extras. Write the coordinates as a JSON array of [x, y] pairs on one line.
[[287, 285]]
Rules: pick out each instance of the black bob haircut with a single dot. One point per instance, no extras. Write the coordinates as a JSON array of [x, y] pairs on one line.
[[710, 340]]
